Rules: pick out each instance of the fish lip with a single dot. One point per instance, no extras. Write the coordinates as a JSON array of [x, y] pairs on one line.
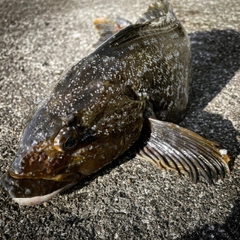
[[28, 187], [41, 199]]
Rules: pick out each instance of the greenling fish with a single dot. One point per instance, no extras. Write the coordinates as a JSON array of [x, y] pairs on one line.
[[130, 91]]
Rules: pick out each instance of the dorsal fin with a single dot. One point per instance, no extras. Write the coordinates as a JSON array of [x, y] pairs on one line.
[[130, 33], [127, 34]]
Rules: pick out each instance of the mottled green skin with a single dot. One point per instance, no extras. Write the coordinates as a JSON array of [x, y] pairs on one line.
[[103, 101]]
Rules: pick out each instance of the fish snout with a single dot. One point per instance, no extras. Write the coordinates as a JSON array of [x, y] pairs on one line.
[[32, 165]]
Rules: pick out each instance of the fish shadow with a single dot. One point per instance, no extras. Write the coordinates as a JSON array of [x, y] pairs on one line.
[[216, 59]]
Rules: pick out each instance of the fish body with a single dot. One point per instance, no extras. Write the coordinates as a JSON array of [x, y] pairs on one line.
[[138, 80]]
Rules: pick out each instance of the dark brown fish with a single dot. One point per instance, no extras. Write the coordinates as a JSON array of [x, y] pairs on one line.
[[110, 101]]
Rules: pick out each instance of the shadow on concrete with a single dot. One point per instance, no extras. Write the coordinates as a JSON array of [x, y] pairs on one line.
[[216, 59]]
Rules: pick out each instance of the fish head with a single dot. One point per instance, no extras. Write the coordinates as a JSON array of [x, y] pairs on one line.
[[43, 165], [61, 147]]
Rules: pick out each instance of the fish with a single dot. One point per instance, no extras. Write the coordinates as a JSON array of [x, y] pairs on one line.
[[127, 95]]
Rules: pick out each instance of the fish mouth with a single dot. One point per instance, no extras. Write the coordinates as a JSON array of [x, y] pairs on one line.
[[34, 191]]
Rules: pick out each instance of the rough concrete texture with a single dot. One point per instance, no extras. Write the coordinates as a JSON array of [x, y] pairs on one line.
[[128, 199]]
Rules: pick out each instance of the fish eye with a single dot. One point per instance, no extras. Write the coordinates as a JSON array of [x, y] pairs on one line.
[[70, 142], [67, 139]]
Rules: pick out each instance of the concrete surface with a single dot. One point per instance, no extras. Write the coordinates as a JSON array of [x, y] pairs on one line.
[[128, 199]]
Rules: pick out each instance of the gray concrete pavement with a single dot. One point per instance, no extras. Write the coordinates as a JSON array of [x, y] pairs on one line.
[[39, 40]]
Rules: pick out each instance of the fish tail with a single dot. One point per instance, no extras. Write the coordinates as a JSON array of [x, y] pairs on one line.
[[158, 10]]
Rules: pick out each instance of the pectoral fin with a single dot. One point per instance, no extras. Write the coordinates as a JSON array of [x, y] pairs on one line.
[[172, 147]]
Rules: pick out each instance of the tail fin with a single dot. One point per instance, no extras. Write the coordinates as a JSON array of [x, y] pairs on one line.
[[160, 12], [156, 11]]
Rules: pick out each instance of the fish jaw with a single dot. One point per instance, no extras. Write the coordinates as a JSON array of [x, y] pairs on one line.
[[34, 191], [41, 199]]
